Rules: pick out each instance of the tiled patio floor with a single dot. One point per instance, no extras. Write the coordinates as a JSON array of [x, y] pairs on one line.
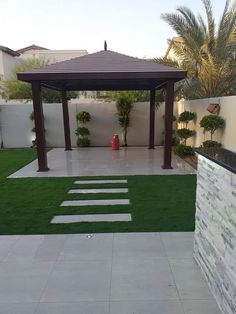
[[122, 273], [102, 161]]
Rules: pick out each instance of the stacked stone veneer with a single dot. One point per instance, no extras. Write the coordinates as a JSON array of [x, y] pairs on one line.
[[215, 234]]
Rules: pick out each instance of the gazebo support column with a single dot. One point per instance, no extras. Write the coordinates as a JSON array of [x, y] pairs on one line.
[[169, 105], [39, 126], [152, 119], [66, 120]]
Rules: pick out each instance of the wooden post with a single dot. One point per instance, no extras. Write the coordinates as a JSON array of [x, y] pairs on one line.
[[66, 120], [39, 126], [169, 105], [152, 119]]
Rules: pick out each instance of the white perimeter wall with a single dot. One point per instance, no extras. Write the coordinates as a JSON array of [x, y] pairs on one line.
[[16, 126], [228, 112]]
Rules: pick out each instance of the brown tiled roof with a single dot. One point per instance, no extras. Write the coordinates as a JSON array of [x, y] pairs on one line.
[[9, 51], [32, 47]]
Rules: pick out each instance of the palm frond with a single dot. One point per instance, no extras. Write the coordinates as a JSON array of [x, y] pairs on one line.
[[210, 22], [209, 55], [177, 22]]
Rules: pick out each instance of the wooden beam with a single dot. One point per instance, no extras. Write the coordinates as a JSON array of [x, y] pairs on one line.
[[66, 120], [152, 119], [39, 127], [169, 106]]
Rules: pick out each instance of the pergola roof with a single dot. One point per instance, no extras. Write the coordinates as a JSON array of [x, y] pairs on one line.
[[104, 70]]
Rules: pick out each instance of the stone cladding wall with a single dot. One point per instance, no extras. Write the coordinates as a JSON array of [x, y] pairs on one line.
[[215, 234]]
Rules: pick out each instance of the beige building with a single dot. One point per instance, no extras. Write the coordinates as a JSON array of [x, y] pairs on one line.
[[51, 56], [170, 51], [10, 58]]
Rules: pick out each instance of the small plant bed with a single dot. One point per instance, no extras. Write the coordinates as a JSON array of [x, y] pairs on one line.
[[158, 203]]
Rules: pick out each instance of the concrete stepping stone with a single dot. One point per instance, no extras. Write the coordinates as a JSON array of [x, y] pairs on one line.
[[96, 202], [99, 181], [91, 218], [95, 191]]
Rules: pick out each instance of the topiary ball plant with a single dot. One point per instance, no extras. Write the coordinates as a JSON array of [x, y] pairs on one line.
[[183, 150], [211, 123], [185, 133], [31, 116], [207, 144], [83, 141], [83, 116], [82, 132], [186, 117]]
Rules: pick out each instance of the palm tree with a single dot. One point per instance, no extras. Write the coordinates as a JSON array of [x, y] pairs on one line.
[[207, 52]]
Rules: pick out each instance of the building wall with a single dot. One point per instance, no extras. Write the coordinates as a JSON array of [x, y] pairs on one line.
[[1, 66], [228, 112], [215, 232], [7, 64], [16, 126], [53, 55], [104, 122]]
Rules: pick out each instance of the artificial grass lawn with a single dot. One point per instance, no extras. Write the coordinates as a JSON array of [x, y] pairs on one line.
[[158, 203]]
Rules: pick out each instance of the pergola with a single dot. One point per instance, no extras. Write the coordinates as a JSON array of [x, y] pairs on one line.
[[104, 70]]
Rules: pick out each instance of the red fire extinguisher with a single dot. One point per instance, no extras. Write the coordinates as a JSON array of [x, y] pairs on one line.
[[115, 143]]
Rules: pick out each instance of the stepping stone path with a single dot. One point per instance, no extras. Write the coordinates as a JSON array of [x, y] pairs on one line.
[[95, 202], [95, 217], [91, 218], [94, 191], [100, 181]]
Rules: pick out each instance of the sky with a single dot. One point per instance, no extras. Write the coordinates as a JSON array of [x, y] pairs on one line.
[[131, 27]]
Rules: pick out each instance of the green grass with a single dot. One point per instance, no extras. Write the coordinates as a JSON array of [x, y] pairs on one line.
[[158, 203]]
